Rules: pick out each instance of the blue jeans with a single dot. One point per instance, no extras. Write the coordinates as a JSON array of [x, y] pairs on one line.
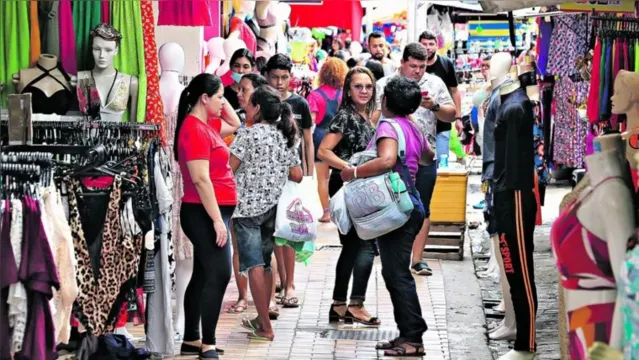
[[443, 144], [395, 250], [425, 183], [355, 260], [255, 240]]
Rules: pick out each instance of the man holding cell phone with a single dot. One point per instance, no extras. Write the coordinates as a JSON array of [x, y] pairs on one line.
[[437, 104]]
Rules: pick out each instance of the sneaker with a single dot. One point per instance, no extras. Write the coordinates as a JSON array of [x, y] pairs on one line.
[[480, 205], [422, 268]]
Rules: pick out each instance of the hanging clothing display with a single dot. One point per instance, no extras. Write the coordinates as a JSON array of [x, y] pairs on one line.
[[570, 130], [593, 94], [185, 13], [35, 32], [86, 16], [105, 13], [543, 45], [127, 19], [154, 105], [569, 40], [14, 43], [48, 17], [67, 37]]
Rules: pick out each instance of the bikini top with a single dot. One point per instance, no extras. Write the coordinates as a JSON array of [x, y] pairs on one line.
[[114, 103], [59, 102], [582, 257]]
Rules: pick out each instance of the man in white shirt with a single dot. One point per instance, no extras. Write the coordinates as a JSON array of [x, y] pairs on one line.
[[437, 104], [377, 47]]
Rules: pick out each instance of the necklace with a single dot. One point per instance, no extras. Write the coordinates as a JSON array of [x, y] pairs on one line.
[[106, 100]]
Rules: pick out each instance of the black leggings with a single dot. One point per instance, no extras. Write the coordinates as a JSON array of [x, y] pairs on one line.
[[211, 272]]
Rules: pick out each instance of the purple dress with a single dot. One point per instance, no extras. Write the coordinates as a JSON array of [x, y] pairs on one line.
[[8, 276], [39, 275]]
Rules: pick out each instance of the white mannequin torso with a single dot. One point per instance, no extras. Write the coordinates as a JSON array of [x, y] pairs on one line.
[[170, 91], [608, 214]]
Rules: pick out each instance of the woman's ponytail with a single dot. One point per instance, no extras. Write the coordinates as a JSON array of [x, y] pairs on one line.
[[201, 84], [183, 109], [287, 124]]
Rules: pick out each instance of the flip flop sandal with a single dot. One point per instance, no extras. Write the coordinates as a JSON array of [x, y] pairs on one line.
[[292, 302], [273, 313], [278, 299], [388, 345], [250, 325], [234, 309], [400, 351], [254, 336]]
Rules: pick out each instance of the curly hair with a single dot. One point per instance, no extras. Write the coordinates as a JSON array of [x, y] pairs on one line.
[[333, 73], [106, 32]]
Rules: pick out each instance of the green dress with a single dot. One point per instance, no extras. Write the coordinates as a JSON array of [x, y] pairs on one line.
[[14, 43], [86, 15], [126, 16]]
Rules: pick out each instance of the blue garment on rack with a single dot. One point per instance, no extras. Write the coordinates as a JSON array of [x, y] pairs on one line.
[[605, 94], [545, 34]]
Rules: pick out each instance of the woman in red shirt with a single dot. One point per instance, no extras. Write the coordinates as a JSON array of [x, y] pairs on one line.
[[207, 205]]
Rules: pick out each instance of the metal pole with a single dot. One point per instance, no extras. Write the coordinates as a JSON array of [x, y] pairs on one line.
[[411, 17]]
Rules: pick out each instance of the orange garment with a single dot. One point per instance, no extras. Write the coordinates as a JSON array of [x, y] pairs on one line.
[[35, 50], [154, 105], [229, 139]]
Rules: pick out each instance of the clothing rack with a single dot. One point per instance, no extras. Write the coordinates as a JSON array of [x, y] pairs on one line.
[[72, 123]]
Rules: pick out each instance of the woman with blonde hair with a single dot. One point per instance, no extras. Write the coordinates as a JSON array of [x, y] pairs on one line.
[[324, 103]]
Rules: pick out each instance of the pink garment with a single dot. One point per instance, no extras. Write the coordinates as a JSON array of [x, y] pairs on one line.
[[317, 103], [106, 12], [618, 54], [595, 79], [67, 38], [185, 13], [246, 34], [227, 79]]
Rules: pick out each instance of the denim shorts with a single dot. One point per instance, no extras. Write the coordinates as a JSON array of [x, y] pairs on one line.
[[425, 183], [318, 136], [255, 240]]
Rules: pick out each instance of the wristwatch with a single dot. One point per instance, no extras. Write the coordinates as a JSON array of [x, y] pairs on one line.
[[435, 108]]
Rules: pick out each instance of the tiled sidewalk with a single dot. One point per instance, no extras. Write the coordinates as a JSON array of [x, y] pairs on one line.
[[304, 333]]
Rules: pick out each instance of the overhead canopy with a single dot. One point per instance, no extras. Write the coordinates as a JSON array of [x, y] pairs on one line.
[[344, 14], [466, 5], [496, 6]]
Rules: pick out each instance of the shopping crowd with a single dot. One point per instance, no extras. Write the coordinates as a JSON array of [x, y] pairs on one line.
[[238, 146]]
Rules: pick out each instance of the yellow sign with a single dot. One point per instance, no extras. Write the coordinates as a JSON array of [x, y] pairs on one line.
[[600, 6]]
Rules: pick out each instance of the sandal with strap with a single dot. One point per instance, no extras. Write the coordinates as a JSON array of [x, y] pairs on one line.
[[388, 345], [250, 325], [401, 351], [290, 302], [349, 318], [273, 313]]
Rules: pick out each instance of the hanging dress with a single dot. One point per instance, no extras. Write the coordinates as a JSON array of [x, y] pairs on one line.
[[126, 17], [86, 15], [14, 45], [185, 13], [49, 27], [154, 105], [105, 14], [67, 37], [595, 79], [35, 32]]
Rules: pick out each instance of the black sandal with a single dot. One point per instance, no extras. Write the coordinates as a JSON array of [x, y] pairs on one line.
[[349, 318], [388, 345], [403, 352]]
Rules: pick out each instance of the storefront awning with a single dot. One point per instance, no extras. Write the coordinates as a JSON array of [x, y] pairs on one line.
[[496, 6], [344, 14]]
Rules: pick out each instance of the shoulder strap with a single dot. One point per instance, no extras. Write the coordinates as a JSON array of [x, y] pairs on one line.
[[323, 94], [401, 140]]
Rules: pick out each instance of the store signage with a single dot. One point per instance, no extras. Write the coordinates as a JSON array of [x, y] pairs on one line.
[[601, 5]]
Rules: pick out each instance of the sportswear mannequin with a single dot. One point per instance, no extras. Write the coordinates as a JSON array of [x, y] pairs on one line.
[[626, 101], [48, 77], [515, 204], [117, 91], [171, 56], [607, 213]]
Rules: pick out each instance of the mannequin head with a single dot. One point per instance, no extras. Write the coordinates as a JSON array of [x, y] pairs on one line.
[[171, 57], [105, 42], [500, 65], [626, 94]]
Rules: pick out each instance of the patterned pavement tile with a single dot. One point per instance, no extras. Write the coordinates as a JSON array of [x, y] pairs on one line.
[[304, 333]]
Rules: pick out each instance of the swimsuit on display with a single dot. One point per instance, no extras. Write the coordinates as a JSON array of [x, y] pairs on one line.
[[59, 102], [110, 108], [584, 263]]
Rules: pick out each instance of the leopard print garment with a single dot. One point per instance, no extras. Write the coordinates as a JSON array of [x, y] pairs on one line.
[[119, 259]]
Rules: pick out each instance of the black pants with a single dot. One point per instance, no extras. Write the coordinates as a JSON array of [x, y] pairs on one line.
[[211, 272], [356, 258], [395, 249], [516, 212]]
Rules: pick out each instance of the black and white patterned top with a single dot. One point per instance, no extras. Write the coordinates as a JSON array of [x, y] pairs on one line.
[[265, 161], [356, 132]]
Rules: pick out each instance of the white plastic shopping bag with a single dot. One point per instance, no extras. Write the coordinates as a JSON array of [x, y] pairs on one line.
[[294, 220], [339, 212]]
